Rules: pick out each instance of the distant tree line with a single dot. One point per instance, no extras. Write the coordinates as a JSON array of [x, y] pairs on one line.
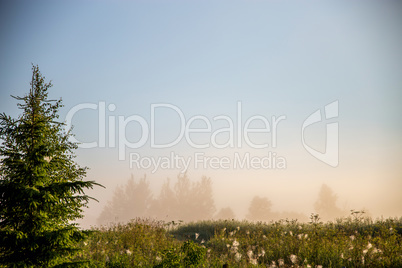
[[189, 200], [186, 201]]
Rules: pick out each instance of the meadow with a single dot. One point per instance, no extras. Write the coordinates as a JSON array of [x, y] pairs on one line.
[[354, 241]]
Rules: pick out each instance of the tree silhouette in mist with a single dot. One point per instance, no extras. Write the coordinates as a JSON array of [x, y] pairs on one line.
[[225, 214], [187, 201], [260, 209], [326, 206], [128, 202]]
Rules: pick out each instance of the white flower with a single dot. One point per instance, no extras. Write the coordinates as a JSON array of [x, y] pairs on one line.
[[365, 251], [352, 237], [47, 158], [281, 262], [369, 245], [253, 261], [341, 255], [158, 258], [202, 241], [196, 236], [238, 228], [262, 254], [300, 236], [237, 256], [250, 254], [293, 258], [247, 232], [227, 245], [305, 236], [318, 266], [291, 233], [300, 227], [232, 233], [235, 243]]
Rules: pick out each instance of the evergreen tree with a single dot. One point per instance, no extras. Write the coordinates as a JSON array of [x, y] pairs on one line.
[[41, 187]]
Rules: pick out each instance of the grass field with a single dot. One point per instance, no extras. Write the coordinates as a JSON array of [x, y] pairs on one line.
[[355, 241]]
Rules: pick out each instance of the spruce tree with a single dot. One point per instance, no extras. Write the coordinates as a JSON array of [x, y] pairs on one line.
[[41, 186]]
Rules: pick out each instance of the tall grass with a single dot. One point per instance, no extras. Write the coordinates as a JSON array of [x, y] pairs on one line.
[[348, 242]]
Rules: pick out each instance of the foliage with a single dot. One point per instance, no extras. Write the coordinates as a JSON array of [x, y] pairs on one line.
[[347, 242], [41, 187]]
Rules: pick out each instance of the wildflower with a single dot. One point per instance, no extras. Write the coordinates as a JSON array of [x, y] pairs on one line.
[[238, 228], [299, 227], [369, 245], [308, 266], [128, 252], [318, 266], [365, 251], [305, 236], [376, 250], [341, 255], [202, 241], [196, 236], [232, 233], [281, 262], [262, 254], [293, 258], [264, 236], [253, 261], [352, 237], [227, 245], [47, 158], [235, 243], [247, 232], [300, 236], [250, 254], [237, 256], [158, 258], [224, 229], [291, 233]]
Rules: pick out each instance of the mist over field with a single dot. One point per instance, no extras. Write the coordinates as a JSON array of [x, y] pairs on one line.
[[258, 110]]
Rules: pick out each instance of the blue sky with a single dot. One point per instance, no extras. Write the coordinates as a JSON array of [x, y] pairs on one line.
[[276, 57]]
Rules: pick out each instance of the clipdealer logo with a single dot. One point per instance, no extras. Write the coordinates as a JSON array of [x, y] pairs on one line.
[[238, 134]]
